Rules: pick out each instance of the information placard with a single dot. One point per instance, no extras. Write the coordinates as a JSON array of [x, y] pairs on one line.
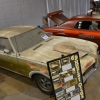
[[66, 77]]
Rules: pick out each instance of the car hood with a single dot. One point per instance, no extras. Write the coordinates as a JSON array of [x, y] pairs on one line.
[[56, 46]]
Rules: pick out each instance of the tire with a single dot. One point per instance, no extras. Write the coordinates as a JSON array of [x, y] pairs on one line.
[[98, 51], [44, 84]]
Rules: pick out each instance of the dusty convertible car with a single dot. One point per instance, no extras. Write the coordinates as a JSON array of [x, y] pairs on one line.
[[82, 26], [26, 50]]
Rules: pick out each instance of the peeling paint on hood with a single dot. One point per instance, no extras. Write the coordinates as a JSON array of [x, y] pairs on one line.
[[57, 46]]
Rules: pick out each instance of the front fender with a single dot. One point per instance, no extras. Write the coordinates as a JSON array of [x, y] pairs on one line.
[[32, 73]]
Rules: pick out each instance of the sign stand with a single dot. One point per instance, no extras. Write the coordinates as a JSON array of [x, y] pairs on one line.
[[66, 77]]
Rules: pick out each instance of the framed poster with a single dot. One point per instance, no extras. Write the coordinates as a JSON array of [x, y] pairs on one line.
[[66, 77]]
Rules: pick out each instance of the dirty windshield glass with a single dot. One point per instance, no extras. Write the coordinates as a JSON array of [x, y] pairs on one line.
[[27, 39]]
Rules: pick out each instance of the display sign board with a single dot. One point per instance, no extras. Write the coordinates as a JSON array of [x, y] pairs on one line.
[[66, 77]]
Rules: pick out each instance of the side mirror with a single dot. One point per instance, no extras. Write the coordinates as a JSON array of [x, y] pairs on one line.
[[6, 51]]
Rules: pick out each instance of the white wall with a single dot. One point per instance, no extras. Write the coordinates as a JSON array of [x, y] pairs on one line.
[[31, 12], [75, 7], [70, 7], [21, 12]]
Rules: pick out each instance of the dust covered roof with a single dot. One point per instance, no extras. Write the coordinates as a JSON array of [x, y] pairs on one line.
[[15, 30]]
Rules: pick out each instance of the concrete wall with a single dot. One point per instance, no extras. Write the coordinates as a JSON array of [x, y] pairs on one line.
[[21, 12]]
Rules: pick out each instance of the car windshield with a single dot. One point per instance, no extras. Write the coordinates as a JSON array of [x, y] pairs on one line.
[[28, 39]]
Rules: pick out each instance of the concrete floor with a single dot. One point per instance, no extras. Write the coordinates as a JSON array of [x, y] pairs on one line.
[[16, 87]]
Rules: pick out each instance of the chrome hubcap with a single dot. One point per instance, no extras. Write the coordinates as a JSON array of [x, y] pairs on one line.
[[45, 83]]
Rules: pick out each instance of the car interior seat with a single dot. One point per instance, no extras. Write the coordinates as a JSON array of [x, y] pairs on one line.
[[86, 24]]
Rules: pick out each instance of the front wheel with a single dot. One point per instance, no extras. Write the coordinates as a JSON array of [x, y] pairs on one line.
[[44, 84]]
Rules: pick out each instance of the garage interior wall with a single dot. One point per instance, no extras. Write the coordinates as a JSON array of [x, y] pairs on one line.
[[21, 12], [70, 7], [31, 12]]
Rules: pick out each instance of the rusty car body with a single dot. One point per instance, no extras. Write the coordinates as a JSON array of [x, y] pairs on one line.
[[27, 49], [85, 26]]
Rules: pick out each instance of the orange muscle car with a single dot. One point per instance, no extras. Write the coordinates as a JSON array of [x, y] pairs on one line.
[[81, 26]]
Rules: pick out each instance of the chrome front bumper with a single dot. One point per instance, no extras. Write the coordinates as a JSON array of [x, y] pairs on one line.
[[90, 71]]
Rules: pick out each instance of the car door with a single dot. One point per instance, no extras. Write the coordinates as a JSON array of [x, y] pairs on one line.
[[91, 35], [89, 31], [8, 58], [72, 32]]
